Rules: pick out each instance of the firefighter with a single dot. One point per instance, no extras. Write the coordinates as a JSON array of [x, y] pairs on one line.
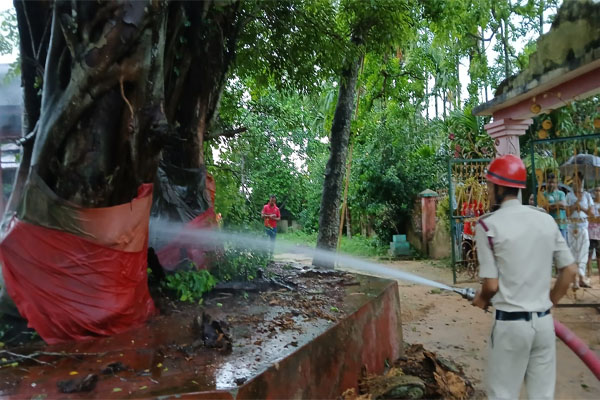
[[516, 247]]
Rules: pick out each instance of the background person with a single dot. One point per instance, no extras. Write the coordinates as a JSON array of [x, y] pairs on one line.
[[557, 203], [594, 231], [579, 206], [270, 213], [517, 246]]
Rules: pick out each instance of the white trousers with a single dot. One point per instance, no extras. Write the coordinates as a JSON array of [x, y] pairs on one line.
[[579, 243], [522, 351]]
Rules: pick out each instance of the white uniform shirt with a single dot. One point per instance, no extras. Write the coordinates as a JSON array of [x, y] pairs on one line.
[[517, 245], [579, 219]]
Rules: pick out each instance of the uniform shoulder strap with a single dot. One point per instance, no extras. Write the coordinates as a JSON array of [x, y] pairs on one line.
[[482, 222]]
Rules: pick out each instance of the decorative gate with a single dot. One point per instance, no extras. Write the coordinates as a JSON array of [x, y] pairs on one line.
[[557, 167], [563, 159], [468, 200]]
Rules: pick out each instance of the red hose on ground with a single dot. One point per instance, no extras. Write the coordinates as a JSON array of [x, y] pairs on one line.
[[581, 349]]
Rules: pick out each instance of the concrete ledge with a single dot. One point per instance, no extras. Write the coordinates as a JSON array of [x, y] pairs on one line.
[[332, 362]]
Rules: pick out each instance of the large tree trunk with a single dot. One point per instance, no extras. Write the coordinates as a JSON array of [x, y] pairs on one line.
[[33, 43], [201, 39], [100, 120], [329, 217], [93, 99], [196, 75]]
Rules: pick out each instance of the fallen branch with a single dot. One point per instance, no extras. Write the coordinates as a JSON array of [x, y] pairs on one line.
[[33, 356]]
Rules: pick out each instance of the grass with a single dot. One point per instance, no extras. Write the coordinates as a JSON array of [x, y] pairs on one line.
[[357, 246]]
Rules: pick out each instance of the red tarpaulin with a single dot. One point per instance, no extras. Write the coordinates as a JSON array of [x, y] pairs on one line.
[[71, 286]]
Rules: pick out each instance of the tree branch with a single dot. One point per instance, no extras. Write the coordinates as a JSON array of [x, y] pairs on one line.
[[68, 28], [31, 37], [482, 38], [42, 39]]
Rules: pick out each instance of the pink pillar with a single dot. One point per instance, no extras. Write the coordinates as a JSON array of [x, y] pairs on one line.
[[505, 133]]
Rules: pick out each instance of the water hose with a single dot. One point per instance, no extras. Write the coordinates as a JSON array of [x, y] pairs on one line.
[[588, 357]]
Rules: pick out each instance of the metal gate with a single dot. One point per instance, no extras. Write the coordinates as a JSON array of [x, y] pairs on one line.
[[557, 167], [563, 159], [468, 200]]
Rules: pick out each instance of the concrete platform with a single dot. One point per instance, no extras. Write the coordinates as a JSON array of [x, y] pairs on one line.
[[308, 343]]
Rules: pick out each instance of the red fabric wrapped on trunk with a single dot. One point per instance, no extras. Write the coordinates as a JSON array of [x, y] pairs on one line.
[[70, 287], [172, 254]]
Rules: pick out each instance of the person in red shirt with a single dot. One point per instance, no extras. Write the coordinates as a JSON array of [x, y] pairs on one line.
[[270, 213]]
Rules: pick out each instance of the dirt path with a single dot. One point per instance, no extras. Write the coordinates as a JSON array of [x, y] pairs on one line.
[[450, 326]]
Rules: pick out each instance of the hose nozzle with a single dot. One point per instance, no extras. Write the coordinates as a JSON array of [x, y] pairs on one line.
[[466, 293]]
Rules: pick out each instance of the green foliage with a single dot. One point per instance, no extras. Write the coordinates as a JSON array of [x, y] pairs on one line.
[[274, 156], [239, 263], [442, 212], [468, 138], [9, 41], [363, 246], [398, 152], [575, 119], [396, 157], [191, 285], [291, 44], [9, 33], [542, 162]]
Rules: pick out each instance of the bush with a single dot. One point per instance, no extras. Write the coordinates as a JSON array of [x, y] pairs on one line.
[[239, 263], [362, 246], [191, 285]]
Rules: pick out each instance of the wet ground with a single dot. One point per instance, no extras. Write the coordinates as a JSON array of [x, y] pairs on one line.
[[168, 355]]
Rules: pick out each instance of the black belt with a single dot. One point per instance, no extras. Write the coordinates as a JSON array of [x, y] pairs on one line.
[[519, 315]]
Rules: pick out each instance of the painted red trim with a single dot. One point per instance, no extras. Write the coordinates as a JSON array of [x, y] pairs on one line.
[[583, 86]]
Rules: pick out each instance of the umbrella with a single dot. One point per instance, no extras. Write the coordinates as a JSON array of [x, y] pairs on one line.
[[587, 164]]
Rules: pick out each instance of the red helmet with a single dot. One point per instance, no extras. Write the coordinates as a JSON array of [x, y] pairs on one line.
[[507, 170]]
